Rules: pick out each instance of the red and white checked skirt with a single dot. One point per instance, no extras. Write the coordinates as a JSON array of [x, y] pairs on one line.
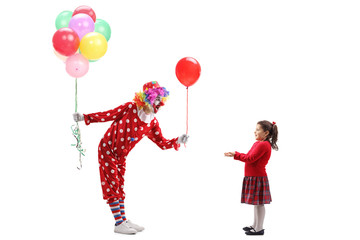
[[256, 191]]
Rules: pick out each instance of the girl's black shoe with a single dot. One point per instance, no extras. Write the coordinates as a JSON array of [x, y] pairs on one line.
[[246, 229], [253, 232]]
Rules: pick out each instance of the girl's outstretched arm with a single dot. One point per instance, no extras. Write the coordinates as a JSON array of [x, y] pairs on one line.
[[257, 153]]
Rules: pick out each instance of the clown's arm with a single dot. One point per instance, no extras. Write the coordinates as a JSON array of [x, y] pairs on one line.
[[109, 115], [156, 136]]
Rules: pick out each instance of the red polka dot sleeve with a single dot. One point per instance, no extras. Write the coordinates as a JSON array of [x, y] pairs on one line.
[[156, 136], [110, 115]]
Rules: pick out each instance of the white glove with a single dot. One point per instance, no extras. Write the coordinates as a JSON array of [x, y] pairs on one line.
[[183, 139], [78, 117]]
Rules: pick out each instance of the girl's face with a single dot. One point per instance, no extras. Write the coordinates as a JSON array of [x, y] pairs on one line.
[[260, 135]]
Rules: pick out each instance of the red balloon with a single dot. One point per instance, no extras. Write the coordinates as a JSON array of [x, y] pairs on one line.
[[87, 10], [66, 41], [188, 71]]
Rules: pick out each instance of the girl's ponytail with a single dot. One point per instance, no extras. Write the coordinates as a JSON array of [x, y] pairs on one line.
[[274, 137], [273, 132]]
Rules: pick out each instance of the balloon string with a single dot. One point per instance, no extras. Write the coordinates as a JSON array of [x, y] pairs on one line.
[[75, 94], [76, 132], [187, 110]]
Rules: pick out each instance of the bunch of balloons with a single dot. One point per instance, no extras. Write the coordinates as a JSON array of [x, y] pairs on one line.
[[80, 38]]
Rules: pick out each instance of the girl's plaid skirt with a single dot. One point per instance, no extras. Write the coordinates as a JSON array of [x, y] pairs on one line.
[[256, 191]]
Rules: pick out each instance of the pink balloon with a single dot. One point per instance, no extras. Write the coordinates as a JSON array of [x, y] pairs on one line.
[[82, 24], [77, 65]]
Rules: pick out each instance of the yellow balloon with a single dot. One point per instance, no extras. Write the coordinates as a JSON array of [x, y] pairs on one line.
[[93, 46]]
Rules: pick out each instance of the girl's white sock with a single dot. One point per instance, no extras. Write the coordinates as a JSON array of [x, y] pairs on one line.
[[260, 215]]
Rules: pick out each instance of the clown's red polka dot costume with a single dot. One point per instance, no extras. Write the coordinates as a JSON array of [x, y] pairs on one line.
[[132, 121], [124, 133]]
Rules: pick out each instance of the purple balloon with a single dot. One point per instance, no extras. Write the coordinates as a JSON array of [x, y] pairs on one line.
[[77, 65], [82, 24]]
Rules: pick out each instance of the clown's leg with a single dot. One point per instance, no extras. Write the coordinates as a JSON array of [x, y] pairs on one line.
[[110, 183], [115, 209], [122, 209], [121, 173], [121, 226]]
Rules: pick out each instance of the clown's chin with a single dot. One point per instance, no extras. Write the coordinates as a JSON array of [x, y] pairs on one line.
[[156, 108]]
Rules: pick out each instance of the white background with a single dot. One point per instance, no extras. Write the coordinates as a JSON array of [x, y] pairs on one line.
[[293, 62]]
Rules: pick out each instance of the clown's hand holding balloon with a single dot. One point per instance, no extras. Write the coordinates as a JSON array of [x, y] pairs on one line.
[[183, 139], [78, 117], [80, 38]]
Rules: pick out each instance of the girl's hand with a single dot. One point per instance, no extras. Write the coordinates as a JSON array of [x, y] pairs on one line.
[[229, 154]]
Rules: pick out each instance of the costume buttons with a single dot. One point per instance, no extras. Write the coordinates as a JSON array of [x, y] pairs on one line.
[[125, 151], [132, 139]]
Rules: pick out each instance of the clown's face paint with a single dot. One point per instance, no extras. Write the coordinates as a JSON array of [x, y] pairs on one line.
[[157, 104]]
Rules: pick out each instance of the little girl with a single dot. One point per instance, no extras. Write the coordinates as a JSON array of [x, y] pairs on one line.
[[256, 189]]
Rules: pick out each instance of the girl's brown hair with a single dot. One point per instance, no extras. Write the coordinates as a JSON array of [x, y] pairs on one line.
[[273, 132]]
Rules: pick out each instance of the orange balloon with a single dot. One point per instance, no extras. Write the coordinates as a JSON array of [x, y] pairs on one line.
[[61, 57]]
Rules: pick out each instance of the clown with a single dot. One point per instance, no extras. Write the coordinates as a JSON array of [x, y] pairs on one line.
[[131, 122]]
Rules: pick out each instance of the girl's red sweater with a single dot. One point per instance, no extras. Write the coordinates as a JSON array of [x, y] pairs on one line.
[[256, 159]]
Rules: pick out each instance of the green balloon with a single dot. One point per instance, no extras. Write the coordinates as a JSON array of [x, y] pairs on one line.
[[103, 28], [63, 19], [90, 59]]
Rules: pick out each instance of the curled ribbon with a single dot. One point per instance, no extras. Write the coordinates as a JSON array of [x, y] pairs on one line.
[[76, 133]]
